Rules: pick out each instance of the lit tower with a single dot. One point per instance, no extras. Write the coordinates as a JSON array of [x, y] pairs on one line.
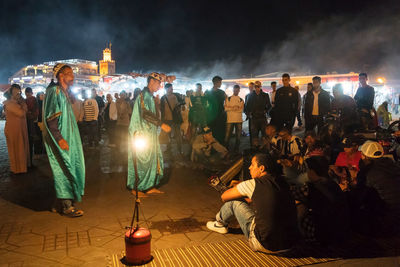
[[107, 65]]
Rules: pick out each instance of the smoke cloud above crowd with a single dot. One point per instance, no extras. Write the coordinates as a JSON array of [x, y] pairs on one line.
[[176, 39]]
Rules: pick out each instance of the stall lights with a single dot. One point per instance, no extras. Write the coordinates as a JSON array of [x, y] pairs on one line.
[[380, 80]]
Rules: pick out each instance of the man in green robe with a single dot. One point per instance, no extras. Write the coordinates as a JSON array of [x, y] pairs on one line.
[[63, 143], [143, 126], [216, 116]]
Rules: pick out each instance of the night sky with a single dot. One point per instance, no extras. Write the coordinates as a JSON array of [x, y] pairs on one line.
[[205, 38]]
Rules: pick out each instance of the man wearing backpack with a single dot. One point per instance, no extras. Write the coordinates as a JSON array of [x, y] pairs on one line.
[[171, 104]]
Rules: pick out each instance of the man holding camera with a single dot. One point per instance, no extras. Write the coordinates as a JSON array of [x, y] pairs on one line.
[[263, 206]]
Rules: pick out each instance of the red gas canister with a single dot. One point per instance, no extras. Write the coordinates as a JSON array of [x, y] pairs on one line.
[[138, 246]]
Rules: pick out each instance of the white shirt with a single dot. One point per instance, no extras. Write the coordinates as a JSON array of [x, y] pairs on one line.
[[234, 106], [272, 94], [315, 110]]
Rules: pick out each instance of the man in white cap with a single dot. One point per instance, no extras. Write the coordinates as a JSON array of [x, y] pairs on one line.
[[382, 174]]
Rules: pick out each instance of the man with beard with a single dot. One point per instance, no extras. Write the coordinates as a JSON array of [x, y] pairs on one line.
[[63, 142], [144, 124]]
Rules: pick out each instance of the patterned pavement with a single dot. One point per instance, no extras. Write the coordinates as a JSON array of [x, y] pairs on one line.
[[30, 235]]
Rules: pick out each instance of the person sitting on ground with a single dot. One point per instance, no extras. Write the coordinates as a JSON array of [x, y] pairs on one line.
[[384, 116], [383, 175], [330, 137], [269, 223], [347, 163], [289, 148], [310, 142], [204, 145], [321, 204], [269, 139]]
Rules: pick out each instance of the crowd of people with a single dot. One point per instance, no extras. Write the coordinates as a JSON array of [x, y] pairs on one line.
[[302, 185]]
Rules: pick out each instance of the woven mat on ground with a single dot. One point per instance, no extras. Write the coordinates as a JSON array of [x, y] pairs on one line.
[[233, 253]]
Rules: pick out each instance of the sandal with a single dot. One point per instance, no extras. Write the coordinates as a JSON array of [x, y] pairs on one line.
[[72, 213]]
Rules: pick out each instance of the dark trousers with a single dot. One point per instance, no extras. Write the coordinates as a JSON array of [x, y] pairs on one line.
[[238, 133], [251, 138], [122, 136], [31, 138], [99, 126], [218, 128], [299, 121], [257, 125], [38, 142], [111, 131], [91, 132], [176, 134], [314, 121]]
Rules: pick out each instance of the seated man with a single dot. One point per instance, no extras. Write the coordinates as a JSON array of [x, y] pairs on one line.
[[270, 222], [383, 175], [203, 146], [321, 204], [347, 163], [289, 148], [269, 139]]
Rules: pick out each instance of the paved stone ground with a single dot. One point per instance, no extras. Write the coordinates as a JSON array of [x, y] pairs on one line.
[[30, 235]]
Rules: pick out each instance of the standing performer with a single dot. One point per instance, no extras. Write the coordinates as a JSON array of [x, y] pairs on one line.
[[63, 142], [144, 123]]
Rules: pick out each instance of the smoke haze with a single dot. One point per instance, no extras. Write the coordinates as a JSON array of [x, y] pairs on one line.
[[194, 41]]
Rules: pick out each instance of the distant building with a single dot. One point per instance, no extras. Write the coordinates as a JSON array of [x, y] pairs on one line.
[[107, 65], [85, 71]]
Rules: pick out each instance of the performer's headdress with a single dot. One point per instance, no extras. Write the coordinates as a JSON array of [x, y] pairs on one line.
[[157, 76], [57, 68]]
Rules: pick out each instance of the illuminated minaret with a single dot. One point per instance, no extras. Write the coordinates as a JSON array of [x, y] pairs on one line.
[[107, 65]]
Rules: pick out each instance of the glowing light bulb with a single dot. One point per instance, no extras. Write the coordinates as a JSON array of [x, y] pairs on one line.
[[139, 143]]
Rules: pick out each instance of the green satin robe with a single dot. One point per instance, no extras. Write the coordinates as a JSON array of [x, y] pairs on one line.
[[150, 162], [68, 166]]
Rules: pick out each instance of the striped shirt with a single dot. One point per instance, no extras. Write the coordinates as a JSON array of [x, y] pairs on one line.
[[90, 109], [246, 188]]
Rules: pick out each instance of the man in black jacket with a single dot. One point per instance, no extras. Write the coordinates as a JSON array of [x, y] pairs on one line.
[[257, 107], [365, 100], [317, 104], [286, 105]]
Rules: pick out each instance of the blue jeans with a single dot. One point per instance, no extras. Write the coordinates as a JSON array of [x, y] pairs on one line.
[[241, 210]]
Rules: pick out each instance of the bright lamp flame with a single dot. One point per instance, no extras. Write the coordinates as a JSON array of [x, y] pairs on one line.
[[139, 143]]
